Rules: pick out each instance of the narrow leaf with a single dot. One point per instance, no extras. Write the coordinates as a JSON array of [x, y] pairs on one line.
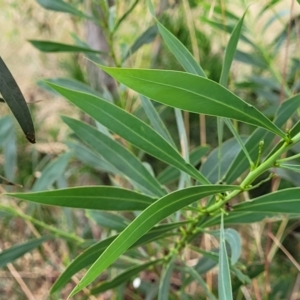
[[230, 51], [108, 219], [130, 128], [53, 170], [224, 281], [9, 255], [90, 255], [295, 168], [61, 6], [92, 197], [155, 119], [170, 174], [191, 93], [165, 280], [282, 202], [182, 54], [229, 150], [16, 102], [90, 158], [47, 46], [123, 277], [116, 155], [146, 37], [152, 215], [240, 163]]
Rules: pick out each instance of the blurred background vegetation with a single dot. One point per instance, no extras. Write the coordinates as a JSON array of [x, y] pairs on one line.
[[265, 71]]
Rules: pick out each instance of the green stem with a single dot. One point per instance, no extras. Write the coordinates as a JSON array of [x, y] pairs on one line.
[[52, 229]]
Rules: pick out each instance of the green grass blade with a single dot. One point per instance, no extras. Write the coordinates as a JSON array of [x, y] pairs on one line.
[[191, 93], [16, 102], [91, 197], [130, 128], [90, 255], [9, 255], [123, 277], [118, 156], [152, 215]]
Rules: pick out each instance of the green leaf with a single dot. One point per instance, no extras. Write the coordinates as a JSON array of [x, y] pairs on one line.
[[295, 168], [152, 215], [118, 156], [224, 280], [16, 102], [170, 173], [9, 255], [236, 217], [108, 220], [130, 128], [123, 277], [53, 170], [146, 37], [229, 150], [69, 84], [90, 255], [165, 280], [47, 46], [191, 93], [230, 51], [61, 6], [90, 158], [182, 54], [155, 120], [94, 197], [232, 237], [196, 276], [240, 163], [282, 202]]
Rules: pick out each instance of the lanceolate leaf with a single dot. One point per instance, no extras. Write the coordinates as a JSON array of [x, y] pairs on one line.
[[47, 46], [92, 197], [152, 215], [282, 202], [16, 102], [130, 128], [182, 54], [170, 173], [191, 93], [145, 38], [11, 254], [52, 172], [155, 120], [123, 277], [61, 6], [116, 155], [165, 280], [230, 51], [90, 255], [240, 163], [224, 280]]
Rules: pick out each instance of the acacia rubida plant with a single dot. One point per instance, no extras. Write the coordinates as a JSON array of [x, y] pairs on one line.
[[211, 196]]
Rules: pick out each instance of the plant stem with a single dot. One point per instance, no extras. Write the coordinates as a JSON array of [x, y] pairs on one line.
[[52, 229]]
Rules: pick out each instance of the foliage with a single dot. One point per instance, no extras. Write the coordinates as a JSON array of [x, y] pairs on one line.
[[169, 214]]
